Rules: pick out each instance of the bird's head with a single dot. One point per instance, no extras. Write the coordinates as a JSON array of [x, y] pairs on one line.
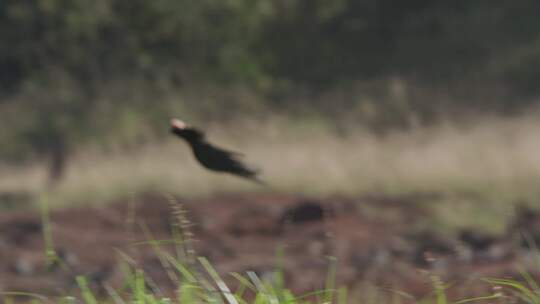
[[178, 124], [188, 133]]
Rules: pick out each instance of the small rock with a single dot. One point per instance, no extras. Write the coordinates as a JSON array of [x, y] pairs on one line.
[[307, 211], [477, 240], [24, 267]]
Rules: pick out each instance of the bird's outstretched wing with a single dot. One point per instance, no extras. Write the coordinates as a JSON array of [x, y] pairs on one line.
[[219, 159]]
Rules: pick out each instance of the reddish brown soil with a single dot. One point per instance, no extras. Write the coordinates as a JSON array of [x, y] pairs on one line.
[[374, 240]]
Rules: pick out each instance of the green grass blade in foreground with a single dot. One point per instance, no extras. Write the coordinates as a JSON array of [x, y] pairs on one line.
[[478, 299], [188, 293], [50, 253], [330, 283], [160, 254], [278, 276], [521, 291], [203, 289], [244, 284], [438, 294], [188, 275], [397, 295], [71, 300], [317, 293], [114, 295], [342, 295], [138, 288], [225, 291], [530, 280], [30, 295], [86, 293], [263, 294]]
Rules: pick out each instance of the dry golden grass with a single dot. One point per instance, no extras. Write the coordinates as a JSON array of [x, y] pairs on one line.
[[491, 161]]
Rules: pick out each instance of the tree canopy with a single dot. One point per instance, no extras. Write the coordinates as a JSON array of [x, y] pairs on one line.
[[61, 60]]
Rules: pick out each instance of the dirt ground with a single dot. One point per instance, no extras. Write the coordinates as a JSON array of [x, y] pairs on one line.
[[373, 239]]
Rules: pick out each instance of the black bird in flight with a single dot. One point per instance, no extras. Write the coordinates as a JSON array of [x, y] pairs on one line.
[[212, 157]]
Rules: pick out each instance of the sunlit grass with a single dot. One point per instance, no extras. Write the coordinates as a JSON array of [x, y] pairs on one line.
[[489, 162]]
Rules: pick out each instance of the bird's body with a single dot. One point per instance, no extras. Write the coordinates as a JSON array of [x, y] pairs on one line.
[[210, 156]]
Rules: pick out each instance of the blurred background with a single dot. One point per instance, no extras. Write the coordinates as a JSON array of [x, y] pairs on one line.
[[374, 98], [81, 80]]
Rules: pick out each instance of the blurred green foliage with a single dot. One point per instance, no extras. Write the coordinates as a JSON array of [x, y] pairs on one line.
[[312, 42], [73, 70]]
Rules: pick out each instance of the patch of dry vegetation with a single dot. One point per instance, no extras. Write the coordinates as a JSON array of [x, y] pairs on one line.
[[491, 161]]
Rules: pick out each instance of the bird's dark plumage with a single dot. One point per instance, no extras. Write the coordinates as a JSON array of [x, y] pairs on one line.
[[210, 156]]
